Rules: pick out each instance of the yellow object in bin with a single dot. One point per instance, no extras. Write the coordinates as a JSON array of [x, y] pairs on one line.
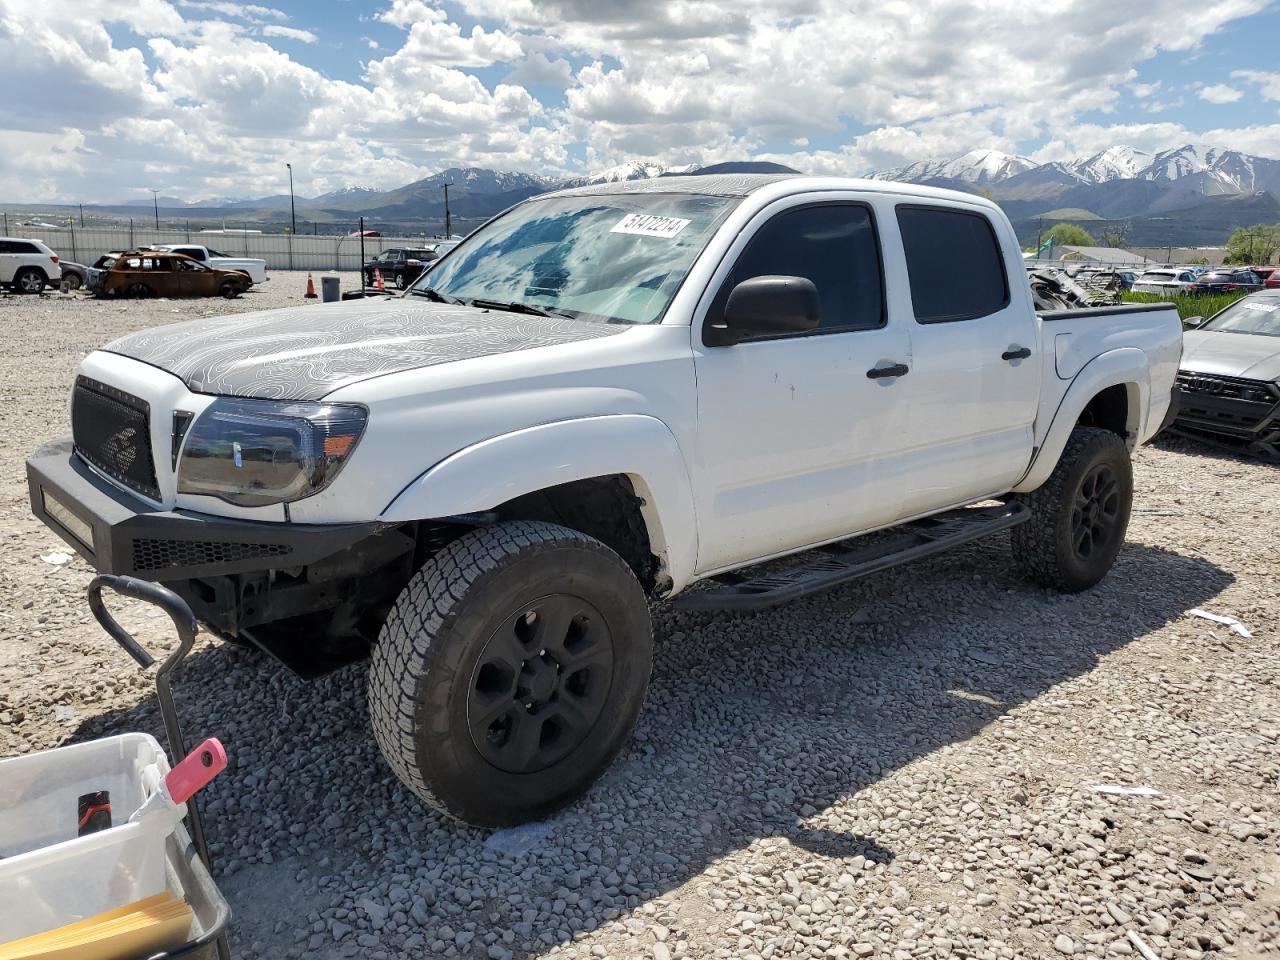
[[139, 929]]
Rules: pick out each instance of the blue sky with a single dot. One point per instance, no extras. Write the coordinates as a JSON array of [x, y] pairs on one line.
[[206, 98]]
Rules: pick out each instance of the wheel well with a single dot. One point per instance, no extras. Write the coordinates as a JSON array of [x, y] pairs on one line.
[[606, 508], [1108, 410]]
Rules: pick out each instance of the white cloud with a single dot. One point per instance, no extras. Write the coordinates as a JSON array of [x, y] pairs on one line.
[[202, 96], [1268, 84], [253, 12], [289, 33], [1219, 93]]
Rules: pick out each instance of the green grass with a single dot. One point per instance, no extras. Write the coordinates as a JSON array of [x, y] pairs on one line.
[[1188, 306]]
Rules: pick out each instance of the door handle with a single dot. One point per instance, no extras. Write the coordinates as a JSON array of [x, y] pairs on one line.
[[1017, 353], [893, 370]]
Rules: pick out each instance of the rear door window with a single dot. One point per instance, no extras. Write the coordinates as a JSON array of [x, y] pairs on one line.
[[954, 264], [835, 246]]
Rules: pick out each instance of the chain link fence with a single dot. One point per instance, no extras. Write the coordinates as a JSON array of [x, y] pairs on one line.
[[282, 251]]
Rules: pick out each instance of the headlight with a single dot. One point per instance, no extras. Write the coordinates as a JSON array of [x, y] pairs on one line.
[[254, 452]]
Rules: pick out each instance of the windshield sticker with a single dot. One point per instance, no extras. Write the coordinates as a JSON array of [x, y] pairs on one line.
[[1262, 307], [648, 225]]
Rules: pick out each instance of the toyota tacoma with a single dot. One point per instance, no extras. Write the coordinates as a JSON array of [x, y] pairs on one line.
[[605, 396]]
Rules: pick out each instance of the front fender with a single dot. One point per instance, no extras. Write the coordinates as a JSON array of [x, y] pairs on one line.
[[1127, 366], [489, 473]]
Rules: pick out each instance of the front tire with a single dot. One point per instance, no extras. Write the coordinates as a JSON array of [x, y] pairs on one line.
[[510, 672], [229, 290], [1080, 515], [29, 280]]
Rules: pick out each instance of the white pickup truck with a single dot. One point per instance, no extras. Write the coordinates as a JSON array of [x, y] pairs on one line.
[[606, 395], [253, 266]]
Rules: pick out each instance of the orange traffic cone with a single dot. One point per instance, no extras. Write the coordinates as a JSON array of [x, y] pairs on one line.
[[311, 288], [377, 278]]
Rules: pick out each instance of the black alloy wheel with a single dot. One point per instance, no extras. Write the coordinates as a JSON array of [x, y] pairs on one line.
[[1096, 512], [540, 684]]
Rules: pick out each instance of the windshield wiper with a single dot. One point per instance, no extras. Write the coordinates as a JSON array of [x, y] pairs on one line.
[[435, 296], [515, 306]]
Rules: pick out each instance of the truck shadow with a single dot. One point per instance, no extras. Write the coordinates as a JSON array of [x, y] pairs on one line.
[[755, 727]]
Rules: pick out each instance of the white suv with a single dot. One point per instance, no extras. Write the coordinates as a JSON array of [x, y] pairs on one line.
[[27, 265]]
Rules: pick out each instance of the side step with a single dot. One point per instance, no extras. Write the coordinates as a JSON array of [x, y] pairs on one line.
[[850, 559]]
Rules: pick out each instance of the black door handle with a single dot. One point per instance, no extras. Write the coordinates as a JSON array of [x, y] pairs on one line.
[[895, 370], [1018, 353]]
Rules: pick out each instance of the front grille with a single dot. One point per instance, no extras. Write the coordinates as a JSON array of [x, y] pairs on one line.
[[167, 554], [112, 430], [1229, 404], [1232, 388]]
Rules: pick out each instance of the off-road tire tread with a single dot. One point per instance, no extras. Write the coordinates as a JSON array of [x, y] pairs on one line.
[[423, 610], [1036, 541]]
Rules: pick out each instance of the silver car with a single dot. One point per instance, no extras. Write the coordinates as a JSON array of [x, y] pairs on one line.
[[1230, 376]]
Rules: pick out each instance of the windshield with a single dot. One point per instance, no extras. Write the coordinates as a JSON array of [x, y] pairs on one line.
[[1156, 276], [618, 258], [1258, 315]]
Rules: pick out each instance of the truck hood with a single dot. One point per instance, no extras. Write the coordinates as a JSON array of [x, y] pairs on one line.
[[1248, 355], [304, 353]]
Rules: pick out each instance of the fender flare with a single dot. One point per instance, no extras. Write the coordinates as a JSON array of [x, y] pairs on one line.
[[1127, 367], [482, 476]]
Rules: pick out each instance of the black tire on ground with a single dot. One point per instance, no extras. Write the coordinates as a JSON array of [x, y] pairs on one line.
[[510, 672], [229, 289], [1080, 514], [73, 281], [139, 291], [29, 280], [401, 281]]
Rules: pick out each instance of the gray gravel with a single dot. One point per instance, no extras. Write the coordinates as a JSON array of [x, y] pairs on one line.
[[897, 769]]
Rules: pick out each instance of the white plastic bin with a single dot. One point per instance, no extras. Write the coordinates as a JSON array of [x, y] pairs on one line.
[[48, 875]]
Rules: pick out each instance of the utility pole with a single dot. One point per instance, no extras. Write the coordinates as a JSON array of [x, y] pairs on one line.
[[362, 274], [155, 199], [293, 215], [82, 216], [1039, 235], [448, 222]]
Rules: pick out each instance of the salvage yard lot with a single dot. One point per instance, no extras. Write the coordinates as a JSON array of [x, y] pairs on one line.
[[898, 768]]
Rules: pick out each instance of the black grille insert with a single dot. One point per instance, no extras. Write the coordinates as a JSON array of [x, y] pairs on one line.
[[167, 554], [112, 430]]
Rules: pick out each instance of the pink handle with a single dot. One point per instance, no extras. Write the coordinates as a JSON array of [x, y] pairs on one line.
[[196, 769]]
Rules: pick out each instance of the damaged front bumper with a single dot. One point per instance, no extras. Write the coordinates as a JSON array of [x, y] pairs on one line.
[[122, 534], [1233, 410]]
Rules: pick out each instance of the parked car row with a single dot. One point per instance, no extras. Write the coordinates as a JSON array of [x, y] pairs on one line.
[[1170, 281]]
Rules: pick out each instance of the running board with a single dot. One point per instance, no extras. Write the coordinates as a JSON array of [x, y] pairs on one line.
[[851, 559]]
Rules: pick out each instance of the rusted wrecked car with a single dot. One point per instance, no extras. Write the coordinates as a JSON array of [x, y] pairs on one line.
[[158, 273]]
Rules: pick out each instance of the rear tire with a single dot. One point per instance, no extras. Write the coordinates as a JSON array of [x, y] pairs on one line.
[[29, 280], [140, 291], [401, 282], [1080, 515], [229, 290], [73, 281], [510, 672]]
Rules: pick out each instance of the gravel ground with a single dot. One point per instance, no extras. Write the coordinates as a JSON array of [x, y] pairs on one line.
[[899, 768]]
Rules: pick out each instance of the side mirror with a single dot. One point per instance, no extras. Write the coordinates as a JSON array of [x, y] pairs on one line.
[[766, 306], [1190, 323]]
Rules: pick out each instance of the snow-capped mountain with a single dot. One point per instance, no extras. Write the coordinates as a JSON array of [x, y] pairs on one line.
[[634, 170], [1215, 171], [979, 167], [1113, 163]]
